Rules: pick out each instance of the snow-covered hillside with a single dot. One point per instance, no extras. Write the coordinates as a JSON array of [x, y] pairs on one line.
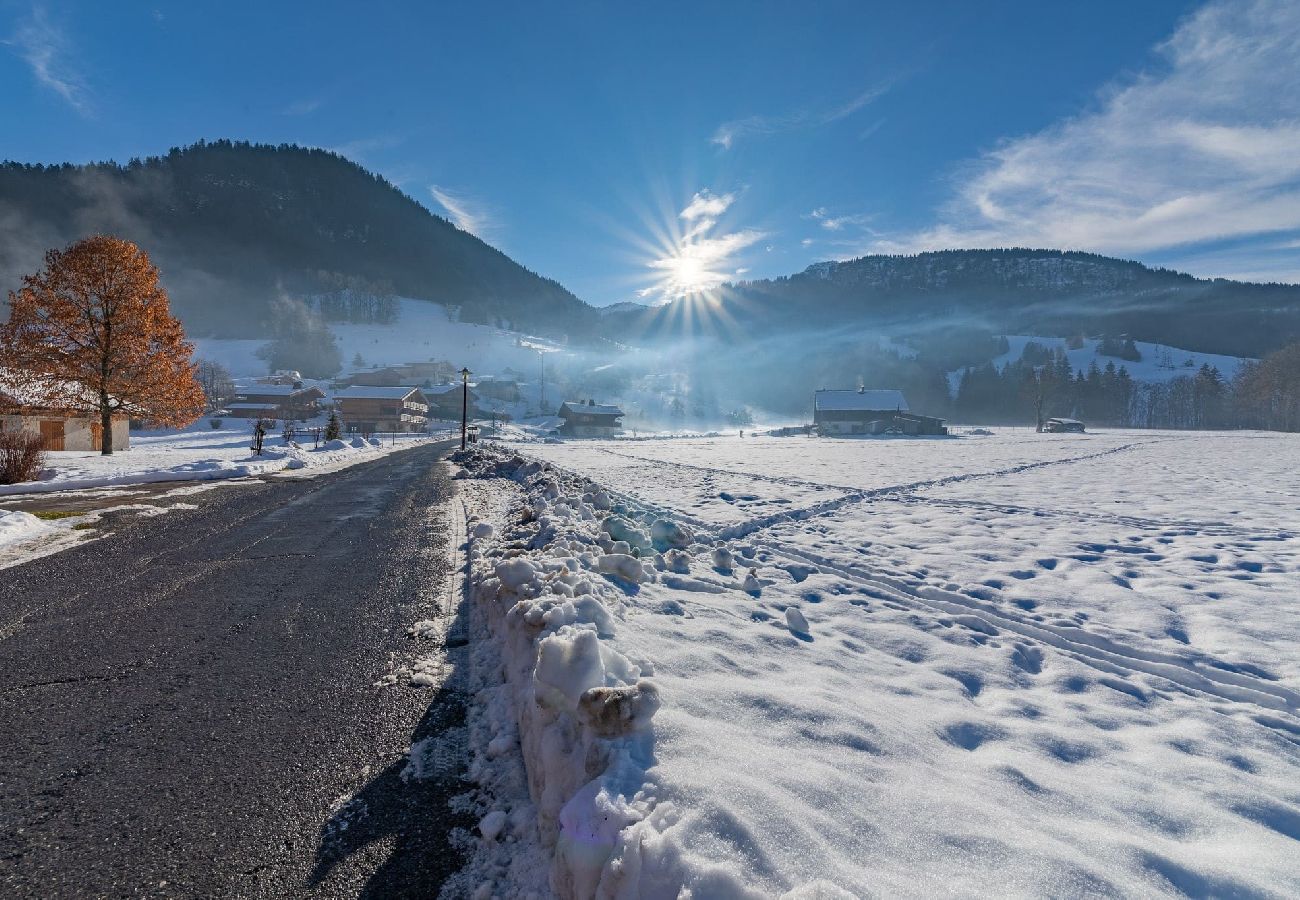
[[1014, 664], [423, 331], [1159, 363]]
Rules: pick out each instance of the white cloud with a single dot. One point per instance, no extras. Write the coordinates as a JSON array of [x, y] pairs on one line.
[[50, 55], [1203, 147], [468, 214], [729, 132], [706, 204]]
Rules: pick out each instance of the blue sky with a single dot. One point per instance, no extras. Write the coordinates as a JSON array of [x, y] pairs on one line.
[[636, 151]]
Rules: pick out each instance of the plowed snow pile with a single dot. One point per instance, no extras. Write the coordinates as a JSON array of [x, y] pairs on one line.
[[1015, 665]]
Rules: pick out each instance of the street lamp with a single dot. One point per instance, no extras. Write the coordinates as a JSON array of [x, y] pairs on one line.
[[464, 404]]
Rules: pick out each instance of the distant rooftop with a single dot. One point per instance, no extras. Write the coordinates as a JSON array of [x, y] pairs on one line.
[[368, 392], [844, 401], [598, 409]]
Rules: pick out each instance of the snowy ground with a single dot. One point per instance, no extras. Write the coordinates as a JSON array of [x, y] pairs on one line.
[[198, 453], [1017, 664]]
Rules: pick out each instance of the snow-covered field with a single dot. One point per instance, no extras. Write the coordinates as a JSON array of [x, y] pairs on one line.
[[1014, 664]]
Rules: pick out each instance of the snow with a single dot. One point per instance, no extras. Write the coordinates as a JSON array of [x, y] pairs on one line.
[[1016, 664], [423, 331], [833, 400], [198, 453], [20, 527]]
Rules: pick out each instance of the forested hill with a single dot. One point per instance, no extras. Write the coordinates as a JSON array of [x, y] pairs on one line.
[[233, 225], [1047, 292]]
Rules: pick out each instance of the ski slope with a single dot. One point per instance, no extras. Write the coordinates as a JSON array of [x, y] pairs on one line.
[[1014, 664], [1160, 363], [423, 332]]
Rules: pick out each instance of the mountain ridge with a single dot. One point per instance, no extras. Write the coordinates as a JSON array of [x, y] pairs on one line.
[[233, 225], [1016, 290]]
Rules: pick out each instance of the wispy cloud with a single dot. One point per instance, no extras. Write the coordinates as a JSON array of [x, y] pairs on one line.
[[1203, 147], [48, 52], [467, 213], [728, 133], [837, 223], [303, 107], [704, 256]]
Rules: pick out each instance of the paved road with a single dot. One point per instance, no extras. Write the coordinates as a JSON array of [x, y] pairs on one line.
[[188, 707]]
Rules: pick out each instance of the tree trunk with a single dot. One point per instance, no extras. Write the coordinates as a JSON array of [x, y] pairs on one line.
[[106, 426]]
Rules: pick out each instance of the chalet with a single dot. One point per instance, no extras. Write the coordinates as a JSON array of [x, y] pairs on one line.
[[275, 401], [446, 400], [869, 412], [370, 409], [505, 390], [590, 419], [59, 430], [1063, 426], [421, 373]]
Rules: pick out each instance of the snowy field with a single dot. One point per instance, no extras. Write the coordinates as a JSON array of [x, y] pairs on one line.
[[1017, 664]]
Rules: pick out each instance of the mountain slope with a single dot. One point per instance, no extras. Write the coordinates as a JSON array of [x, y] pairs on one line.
[[1014, 291], [234, 225]]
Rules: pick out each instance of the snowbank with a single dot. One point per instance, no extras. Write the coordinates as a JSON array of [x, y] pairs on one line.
[[20, 527], [552, 589]]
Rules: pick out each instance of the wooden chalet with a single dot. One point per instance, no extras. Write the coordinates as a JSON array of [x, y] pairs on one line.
[[842, 412], [590, 419], [367, 409]]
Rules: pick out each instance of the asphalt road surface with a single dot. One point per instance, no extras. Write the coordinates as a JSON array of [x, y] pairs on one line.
[[188, 706]]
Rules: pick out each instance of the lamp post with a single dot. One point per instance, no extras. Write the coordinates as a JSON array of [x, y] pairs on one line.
[[464, 404]]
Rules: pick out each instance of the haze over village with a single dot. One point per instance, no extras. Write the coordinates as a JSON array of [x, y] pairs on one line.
[[691, 451]]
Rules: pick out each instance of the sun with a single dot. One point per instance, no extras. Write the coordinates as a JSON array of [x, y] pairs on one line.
[[685, 272]]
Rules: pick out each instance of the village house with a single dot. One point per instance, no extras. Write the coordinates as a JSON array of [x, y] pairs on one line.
[[505, 390], [841, 412], [446, 399], [369, 409], [590, 419], [59, 430], [421, 373], [275, 401]]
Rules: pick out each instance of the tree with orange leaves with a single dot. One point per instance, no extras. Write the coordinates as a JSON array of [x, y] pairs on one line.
[[93, 334]]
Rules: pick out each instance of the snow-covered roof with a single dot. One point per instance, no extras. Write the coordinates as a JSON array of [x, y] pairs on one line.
[[440, 389], [240, 404], [270, 390], [846, 401], [1064, 421], [369, 392], [596, 409]]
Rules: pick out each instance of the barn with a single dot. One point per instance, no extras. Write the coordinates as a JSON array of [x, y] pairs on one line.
[[844, 412], [590, 419], [57, 429]]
